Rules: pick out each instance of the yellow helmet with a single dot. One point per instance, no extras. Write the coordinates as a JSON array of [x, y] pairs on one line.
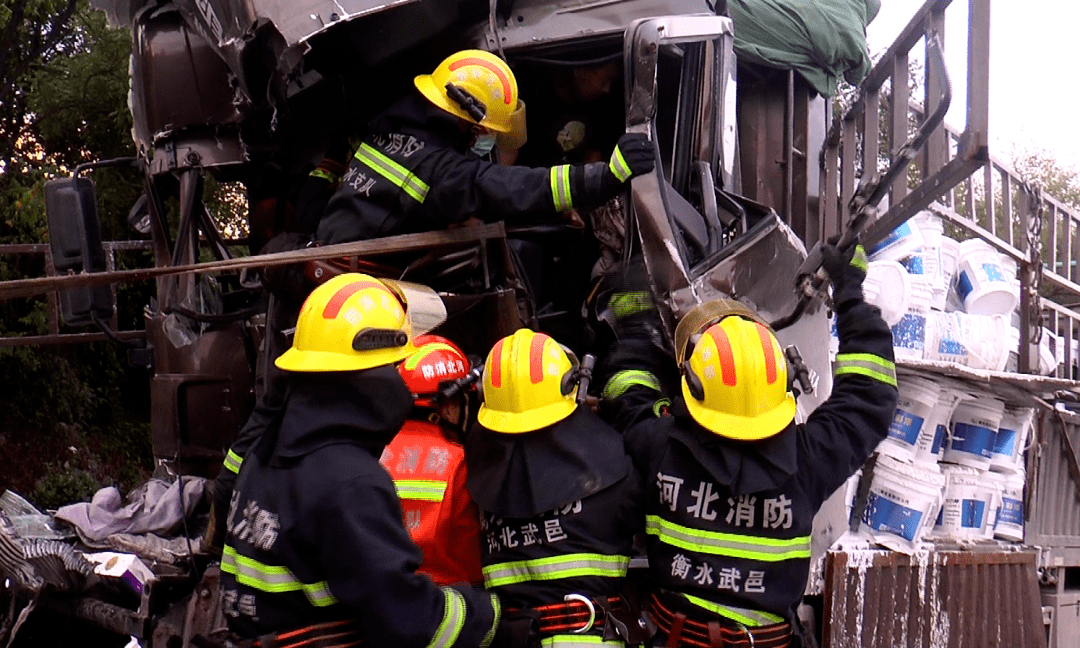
[[351, 322], [474, 85], [529, 383], [735, 382]]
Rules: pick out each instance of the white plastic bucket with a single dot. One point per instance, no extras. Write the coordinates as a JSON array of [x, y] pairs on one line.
[[982, 283], [974, 428], [984, 337], [909, 334], [1014, 431], [950, 255], [931, 443], [945, 338], [899, 243], [917, 399], [967, 505], [902, 502], [1009, 524], [932, 230], [887, 286]]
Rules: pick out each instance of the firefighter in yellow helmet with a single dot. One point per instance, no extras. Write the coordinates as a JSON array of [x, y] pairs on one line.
[[732, 482], [425, 163], [316, 551], [559, 497]]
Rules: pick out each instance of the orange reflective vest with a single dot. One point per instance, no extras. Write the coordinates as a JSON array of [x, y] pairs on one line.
[[441, 517]]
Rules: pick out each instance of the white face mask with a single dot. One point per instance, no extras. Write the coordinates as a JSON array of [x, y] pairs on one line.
[[484, 144]]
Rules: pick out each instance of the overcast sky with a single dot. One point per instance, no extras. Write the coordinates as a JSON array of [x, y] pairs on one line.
[[1034, 82]]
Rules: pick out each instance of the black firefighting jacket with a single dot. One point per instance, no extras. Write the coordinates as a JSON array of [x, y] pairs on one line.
[[315, 531], [414, 173], [560, 509], [729, 522]]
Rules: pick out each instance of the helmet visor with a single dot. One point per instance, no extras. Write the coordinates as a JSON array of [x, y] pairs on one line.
[[705, 315], [424, 309]]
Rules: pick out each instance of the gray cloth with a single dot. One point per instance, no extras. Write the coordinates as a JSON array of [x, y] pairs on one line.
[[154, 507], [819, 39]]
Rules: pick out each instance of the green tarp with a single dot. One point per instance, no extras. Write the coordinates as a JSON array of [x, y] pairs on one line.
[[819, 39]]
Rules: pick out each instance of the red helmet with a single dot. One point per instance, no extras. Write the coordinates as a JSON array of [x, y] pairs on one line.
[[437, 360]]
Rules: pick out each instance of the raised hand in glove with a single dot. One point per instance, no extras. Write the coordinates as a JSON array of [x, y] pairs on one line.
[[633, 156], [846, 269]]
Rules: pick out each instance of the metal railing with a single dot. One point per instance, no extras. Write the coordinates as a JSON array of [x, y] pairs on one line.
[[856, 141], [54, 333]]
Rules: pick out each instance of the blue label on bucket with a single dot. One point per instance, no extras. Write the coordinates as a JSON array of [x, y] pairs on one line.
[[905, 426], [883, 514], [1011, 511], [950, 346], [892, 237], [914, 264], [910, 332], [993, 272], [963, 285], [1004, 442], [971, 513], [939, 439], [972, 439]]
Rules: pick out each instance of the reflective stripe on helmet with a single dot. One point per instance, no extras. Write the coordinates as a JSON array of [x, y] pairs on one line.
[[452, 622], [334, 304], [866, 364], [413, 361], [560, 187], [233, 461], [731, 545], [624, 380], [536, 358], [554, 568], [751, 618], [490, 67], [426, 490], [272, 579], [496, 363], [770, 353], [393, 172], [724, 355]]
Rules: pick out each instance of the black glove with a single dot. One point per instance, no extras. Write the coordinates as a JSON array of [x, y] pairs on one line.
[[846, 269], [633, 156]]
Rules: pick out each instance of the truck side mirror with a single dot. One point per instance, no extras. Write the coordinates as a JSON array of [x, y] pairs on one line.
[[75, 241]]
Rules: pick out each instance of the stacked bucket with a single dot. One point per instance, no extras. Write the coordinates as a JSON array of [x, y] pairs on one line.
[[952, 467]]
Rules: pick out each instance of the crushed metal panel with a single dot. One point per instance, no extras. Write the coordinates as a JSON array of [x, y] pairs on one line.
[[940, 599]]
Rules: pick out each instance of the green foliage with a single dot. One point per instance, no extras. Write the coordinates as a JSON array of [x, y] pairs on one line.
[[62, 485]]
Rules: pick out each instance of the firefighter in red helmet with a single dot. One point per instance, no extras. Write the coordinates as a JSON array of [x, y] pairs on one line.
[[316, 551], [427, 463]]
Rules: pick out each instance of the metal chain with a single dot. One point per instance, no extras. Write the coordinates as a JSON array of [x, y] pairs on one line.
[[1034, 240]]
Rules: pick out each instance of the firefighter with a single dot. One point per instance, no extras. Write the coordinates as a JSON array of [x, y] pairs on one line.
[[427, 463], [424, 165], [316, 551], [559, 497], [732, 483]]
